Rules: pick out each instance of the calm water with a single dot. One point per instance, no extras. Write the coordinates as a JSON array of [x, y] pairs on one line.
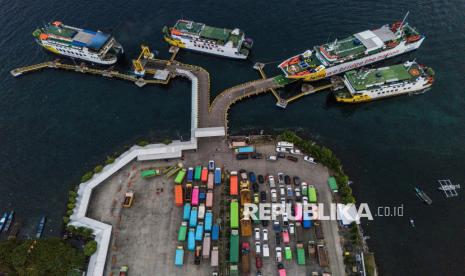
[[56, 125]]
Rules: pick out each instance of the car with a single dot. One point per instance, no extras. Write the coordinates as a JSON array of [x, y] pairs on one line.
[[211, 165], [283, 201], [277, 239], [263, 196], [243, 175], [198, 254], [281, 270], [266, 250], [282, 191], [258, 247], [272, 158], [123, 270], [296, 151], [279, 254], [292, 158], [292, 209], [271, 181], [256, 198], [276, 226], [259, 273], [309, 159], [290, 192], [281, 178], [258, 262], [304, 188], [255, 187], [285, 236], [261, 179], [285, 220], [264, 223], [257, 233], [305, 200], [279, 149], [287, 179], [265, 234], [274, 197], [242, 156], [252, 177], [288, 253], [298, 195], [296, 181], [256, 155], [281, 155], [291, 228]]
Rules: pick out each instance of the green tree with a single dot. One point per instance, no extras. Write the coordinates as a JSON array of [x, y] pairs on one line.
[[87, 176], [109, 160], [98, 169], [90, 248], [142, 143]]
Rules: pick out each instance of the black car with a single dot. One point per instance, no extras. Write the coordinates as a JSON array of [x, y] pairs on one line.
[[292, 158], [281, 155], [287, 180], [242, 156], [255, 187], [263, 196], [264, 223], [296, 181], [278, 239], [256, 155], [261, 179], [252, 177], [292, 210]]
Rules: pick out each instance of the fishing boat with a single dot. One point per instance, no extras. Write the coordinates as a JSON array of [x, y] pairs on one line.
[[355, 51], [93, 46], [9, 221], [3, 221], [423, 196], [40, 227]]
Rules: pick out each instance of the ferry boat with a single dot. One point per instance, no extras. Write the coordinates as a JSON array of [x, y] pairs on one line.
[[352, 52], [370, 84], [200, 37], [93, 46], [40, 227]]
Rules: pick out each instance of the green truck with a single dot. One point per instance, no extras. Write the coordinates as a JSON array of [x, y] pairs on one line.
[[234, 247], [180, 176], [149, 173], [182, 231], [312, 198], [300, 254]]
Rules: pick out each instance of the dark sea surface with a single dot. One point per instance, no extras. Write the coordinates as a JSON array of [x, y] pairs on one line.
[[56, 125]]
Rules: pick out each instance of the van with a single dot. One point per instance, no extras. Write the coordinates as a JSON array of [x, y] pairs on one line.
[[242, 156], [271, 181], [266, 250]]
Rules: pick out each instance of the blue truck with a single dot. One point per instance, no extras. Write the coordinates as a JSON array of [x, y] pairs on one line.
[[193, 218], [217, 180], [179, 258], [215, 232], [306, 223], [199, 232], [191, 239], [190, 174], [208, 221], [186, 212]]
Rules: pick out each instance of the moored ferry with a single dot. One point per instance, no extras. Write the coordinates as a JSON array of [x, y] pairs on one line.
[[352, 52], [370, 84], [93, 46], [200, 37]]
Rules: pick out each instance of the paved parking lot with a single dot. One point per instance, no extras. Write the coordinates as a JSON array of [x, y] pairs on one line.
[[145, 236]]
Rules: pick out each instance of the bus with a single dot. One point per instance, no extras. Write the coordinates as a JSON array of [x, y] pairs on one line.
[[312, 194], [211, 179], [234, 209], [180, 176], [197, 173], [233, 184], [204, 175], [195, 196], [217, 179], [234, 247], [190, 174], [178, 199]]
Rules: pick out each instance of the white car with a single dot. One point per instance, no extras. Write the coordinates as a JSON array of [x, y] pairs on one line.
[[283, 202], [271, 181], [272, 158], [309, 159], [282, 190], [305, 200], [285, 220], [266, 250], [211, 165], [258, 248], [265, 234], [274, 196], [279, 254], [291, 228], [257, 233], [296, 151], [279, 149], [297, 192]]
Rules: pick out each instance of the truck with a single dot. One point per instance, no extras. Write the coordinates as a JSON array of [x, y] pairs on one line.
[[202, 193], [204, 175], [197, 173], [190, 175], [211, 180], [182, 231], [287, 253], [188, 193], [186, 213], [322, 255], [234, 247], [180, 176], [209, 200], [206, 246], [234, 216], [179, 258], [199, 232], [307, 223], [195, 196], [208, 220], [319, 231], [246, 227], [201, 213], [149, 173], [300, 254], [178, 199], [215, 257], [215, 232], [198, 254], [233, 184], [245, 259], [191, 239], [245, 150], [233, 270], [312, 198], [217, 179], [193, 217], [245, 194], [128, 199]]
